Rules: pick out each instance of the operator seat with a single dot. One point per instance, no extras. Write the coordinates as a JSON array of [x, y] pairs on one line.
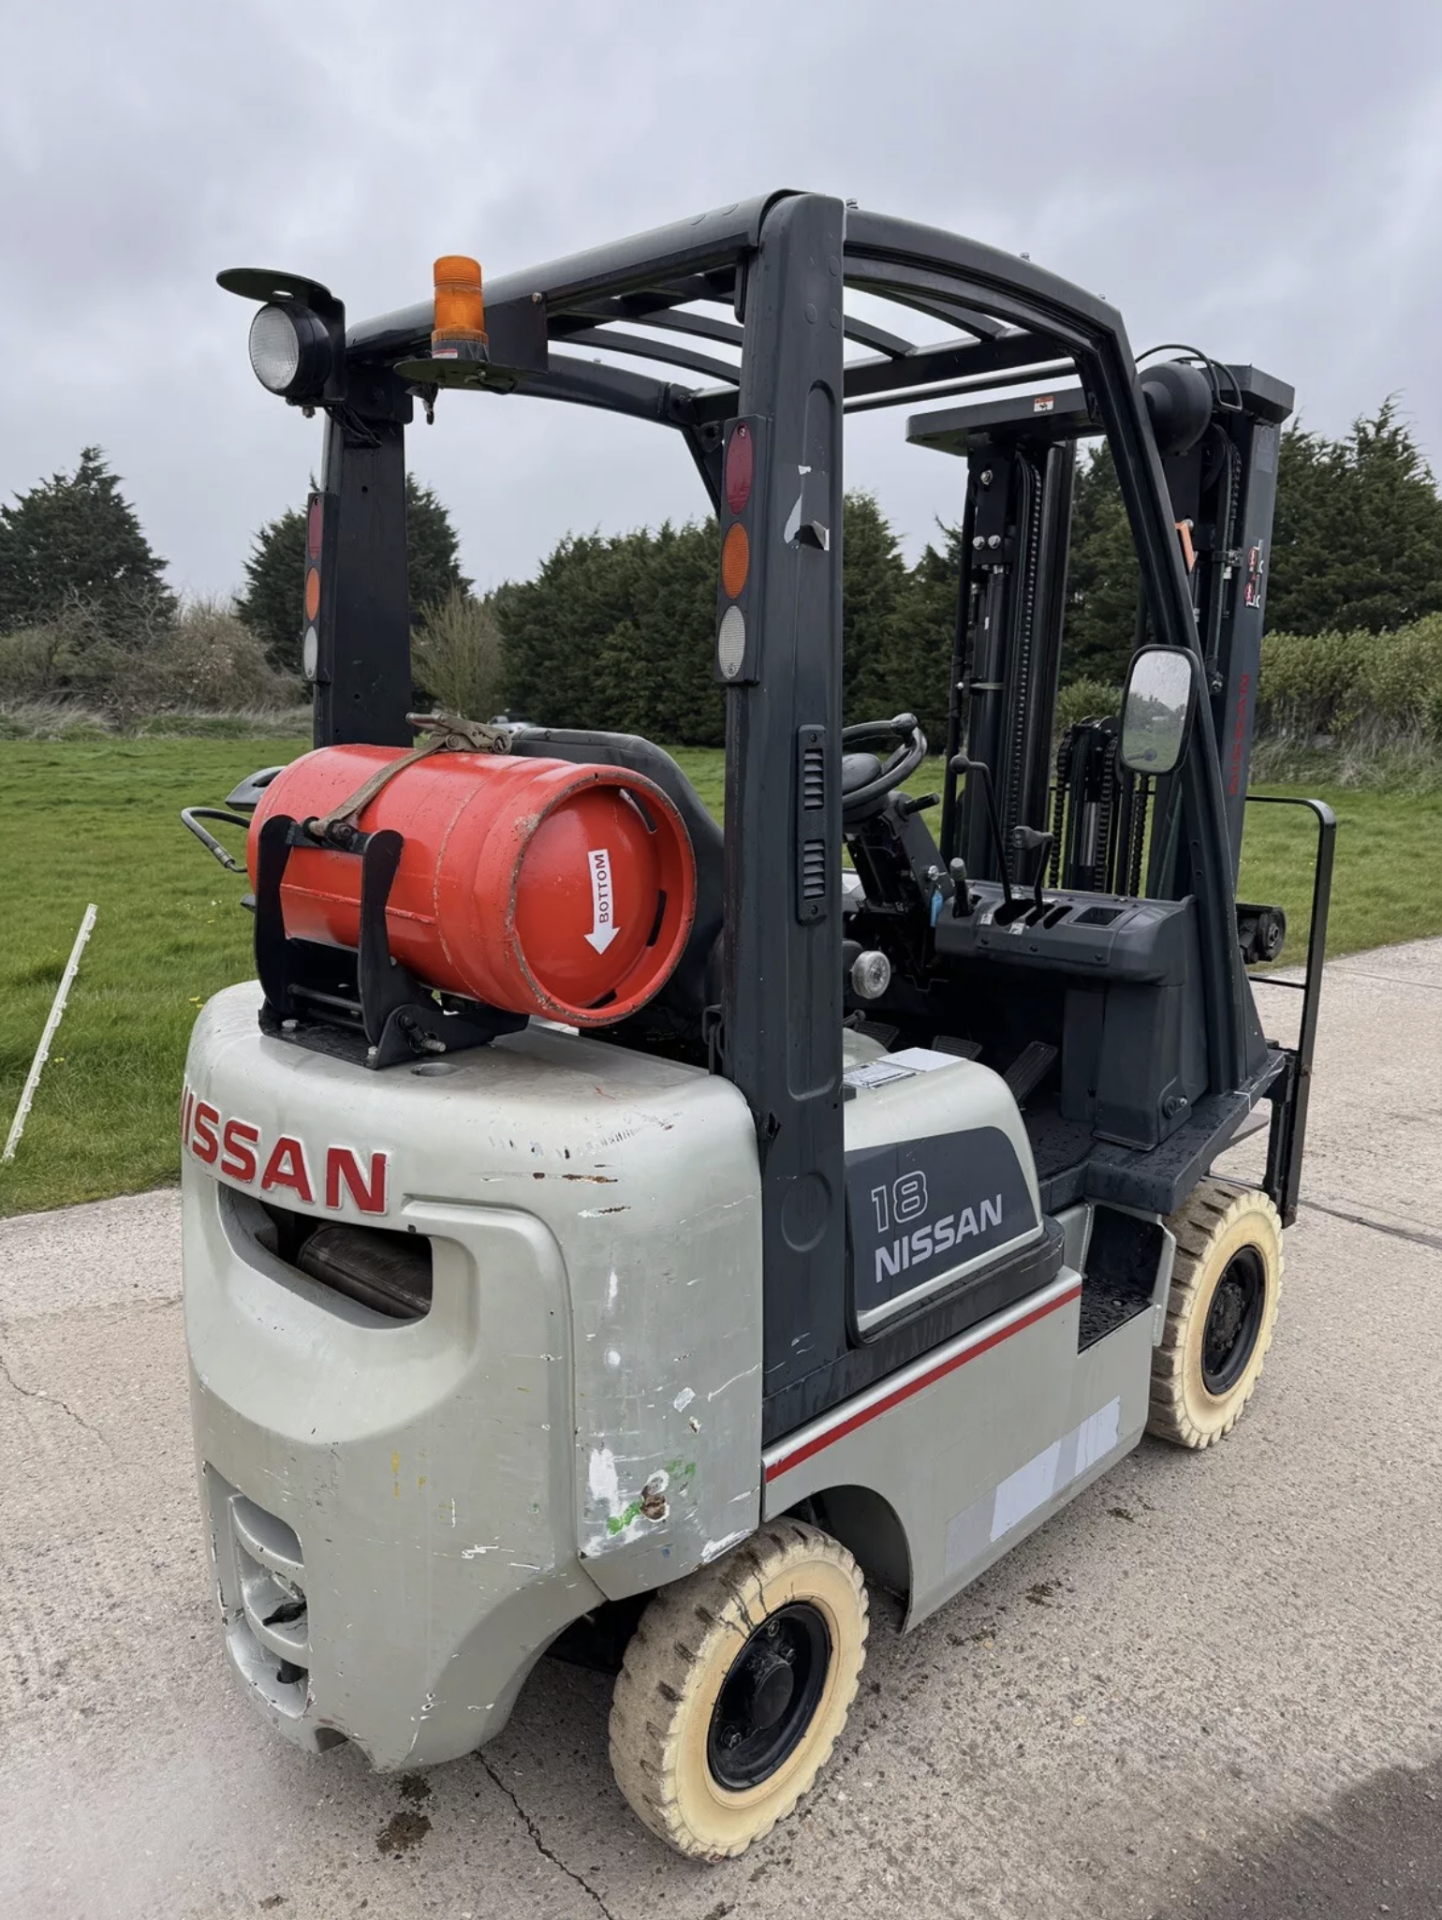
[[695, 984]]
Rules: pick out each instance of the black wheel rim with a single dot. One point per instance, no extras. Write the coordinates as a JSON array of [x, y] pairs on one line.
[[1234, 1320], [769, 1697]]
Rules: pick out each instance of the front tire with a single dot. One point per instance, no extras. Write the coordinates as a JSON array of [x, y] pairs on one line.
[[735, 1686], [1226, 1287]]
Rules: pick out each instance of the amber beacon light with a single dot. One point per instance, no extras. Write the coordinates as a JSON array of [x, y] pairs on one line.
[[460, 322]]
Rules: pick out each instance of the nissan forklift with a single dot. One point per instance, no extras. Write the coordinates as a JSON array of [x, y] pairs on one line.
[[611, 1235]]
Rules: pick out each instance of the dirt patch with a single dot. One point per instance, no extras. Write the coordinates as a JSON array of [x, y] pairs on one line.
[[415, 1787], [402, 1832]]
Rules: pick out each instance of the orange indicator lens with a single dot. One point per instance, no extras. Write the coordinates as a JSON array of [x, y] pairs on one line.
[[735, 560], [312, 593]]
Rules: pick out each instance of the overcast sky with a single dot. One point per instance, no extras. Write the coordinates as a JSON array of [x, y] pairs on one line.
[[1260, 177]]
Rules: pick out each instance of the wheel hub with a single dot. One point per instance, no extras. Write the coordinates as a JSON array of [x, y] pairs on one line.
[[769, 1697], [1234, 1320], [767, 1684]]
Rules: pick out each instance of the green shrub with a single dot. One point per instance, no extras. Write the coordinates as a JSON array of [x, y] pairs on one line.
[[204, 660], [1401, 680], [456, 655], [1086, 700], [29, 664], [1311, 682], [1366, 688], [201, 658]]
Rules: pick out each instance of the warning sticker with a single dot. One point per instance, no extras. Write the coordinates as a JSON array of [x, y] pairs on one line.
[[898, 1066]]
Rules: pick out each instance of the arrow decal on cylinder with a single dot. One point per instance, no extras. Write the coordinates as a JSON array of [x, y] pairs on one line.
[[603, 928]]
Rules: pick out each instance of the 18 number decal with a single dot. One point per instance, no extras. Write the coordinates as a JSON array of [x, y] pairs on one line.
[[905, 1199]]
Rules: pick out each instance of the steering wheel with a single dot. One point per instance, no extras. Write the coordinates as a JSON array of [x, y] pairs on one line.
[[908, 749]]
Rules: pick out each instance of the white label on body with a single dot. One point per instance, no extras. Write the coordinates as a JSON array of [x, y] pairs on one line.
[[603, 924]]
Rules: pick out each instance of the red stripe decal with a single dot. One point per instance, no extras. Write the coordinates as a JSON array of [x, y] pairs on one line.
[[893, 1399]]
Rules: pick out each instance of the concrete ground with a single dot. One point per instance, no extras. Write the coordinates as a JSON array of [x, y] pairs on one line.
[[1212, 1687]]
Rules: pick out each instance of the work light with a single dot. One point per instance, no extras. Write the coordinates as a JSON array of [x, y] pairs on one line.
[[289, 350]]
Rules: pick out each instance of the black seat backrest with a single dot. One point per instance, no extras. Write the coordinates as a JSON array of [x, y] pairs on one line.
[[692, 986]]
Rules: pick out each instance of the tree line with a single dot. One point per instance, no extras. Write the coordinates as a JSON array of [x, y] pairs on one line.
[[617, 631]]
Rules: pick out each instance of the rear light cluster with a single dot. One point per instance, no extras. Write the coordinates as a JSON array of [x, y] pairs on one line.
[[738, 475], [314, 546]]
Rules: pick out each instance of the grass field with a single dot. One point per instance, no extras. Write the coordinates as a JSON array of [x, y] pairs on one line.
[[96, 820]]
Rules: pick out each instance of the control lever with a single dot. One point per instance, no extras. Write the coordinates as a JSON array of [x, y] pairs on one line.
[[961, 890], [960, 764], [1031, 840]]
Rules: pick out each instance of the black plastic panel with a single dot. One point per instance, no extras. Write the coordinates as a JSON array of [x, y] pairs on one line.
[[918, 1208], [996, 1288]]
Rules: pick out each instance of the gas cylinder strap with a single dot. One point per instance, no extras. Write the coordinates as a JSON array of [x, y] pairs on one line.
[[449, 733]]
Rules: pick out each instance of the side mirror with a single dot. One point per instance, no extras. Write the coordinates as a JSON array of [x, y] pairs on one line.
[[1157, 709]]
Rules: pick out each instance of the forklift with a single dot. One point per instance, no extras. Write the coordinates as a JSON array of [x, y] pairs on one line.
[[617, 1237]]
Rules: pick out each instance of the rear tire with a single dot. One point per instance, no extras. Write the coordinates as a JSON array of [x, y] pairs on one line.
[[1226, 1286], [735, 1686]]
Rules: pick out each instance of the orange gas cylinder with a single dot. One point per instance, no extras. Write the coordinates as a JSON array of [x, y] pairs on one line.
[[534, 885]]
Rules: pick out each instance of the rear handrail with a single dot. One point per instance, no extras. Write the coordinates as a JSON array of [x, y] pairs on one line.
[[1287, 1138]]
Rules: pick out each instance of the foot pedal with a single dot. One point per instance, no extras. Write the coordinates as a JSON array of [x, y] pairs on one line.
[[950, 1043], [1028, 1070], [878, 1030]]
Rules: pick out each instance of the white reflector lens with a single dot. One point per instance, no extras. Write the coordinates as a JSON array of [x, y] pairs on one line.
[[274, 348], [731, 642], [310, 653]]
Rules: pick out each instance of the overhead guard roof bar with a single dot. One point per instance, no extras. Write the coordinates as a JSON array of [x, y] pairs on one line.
[[640, 312], [973, 383], [590, 384], [665, 351]]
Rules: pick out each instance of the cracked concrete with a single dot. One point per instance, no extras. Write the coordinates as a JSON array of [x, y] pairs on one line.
[[50, 1400], [535, 1833], [1232, 1693]]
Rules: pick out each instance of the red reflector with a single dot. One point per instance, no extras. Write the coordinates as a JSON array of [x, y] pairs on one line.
[[740, 467], [313, 523]]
